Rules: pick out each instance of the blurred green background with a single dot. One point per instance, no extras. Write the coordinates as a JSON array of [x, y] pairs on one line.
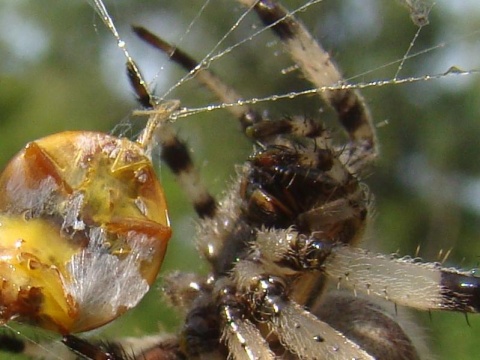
[[60, 69]]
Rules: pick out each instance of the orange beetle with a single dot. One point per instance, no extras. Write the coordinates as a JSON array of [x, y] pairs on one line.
[[83, 231]]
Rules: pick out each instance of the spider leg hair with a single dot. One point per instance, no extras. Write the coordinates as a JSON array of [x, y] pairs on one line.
[[298, 330], [367, 323], [242, 337], [317, 67], [403, 281]]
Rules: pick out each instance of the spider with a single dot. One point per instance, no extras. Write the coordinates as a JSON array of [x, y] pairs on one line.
[[280, 246]]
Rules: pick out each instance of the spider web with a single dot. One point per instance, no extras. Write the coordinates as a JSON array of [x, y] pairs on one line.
[[421, 84]]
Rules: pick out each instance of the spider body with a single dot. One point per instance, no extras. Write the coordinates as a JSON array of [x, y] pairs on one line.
[[283, 240]]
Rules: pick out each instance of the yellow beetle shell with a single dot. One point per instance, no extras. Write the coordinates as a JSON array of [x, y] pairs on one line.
[[83, 231]]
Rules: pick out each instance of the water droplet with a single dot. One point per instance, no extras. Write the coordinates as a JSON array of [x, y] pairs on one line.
[[454, 70]]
